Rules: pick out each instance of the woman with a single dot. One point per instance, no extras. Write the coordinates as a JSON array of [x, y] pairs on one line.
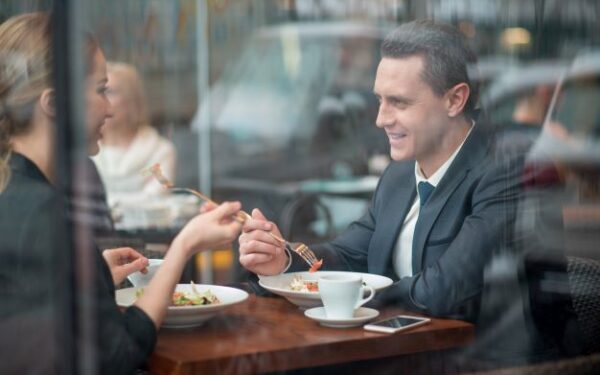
[[33, 322], [129, 144]]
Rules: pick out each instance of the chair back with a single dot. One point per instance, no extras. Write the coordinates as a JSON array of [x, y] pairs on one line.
[[584, 279]]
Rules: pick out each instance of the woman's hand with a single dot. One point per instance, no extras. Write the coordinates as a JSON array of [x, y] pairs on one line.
[[215, 227], [124, 261]]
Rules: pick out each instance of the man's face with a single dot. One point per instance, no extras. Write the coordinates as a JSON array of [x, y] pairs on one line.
[[414, 118]]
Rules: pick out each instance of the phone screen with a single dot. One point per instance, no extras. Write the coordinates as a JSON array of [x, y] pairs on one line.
[[397, 322]]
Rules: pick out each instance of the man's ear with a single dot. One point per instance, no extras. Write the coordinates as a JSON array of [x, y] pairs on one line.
[[47, 102], [456, 99]]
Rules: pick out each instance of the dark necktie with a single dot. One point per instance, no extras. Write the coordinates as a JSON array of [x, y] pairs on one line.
[[425, 190]]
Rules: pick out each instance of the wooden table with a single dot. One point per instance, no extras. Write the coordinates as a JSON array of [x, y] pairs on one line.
[[265, 335]]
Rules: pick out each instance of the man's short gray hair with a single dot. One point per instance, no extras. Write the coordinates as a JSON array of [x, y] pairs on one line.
[[445, 51]]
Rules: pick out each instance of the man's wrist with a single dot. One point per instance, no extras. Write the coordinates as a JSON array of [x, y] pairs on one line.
[[288, 255]]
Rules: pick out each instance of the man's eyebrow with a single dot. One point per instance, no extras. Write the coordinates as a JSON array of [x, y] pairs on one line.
[[103, 80], [394, 98], [400, 99]]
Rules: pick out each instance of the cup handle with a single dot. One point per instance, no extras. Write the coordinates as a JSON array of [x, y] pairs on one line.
[[362, 301]]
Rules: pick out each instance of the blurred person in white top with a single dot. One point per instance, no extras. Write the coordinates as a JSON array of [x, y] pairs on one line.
[[130, 144]]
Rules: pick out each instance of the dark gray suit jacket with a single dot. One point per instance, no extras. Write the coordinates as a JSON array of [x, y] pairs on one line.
[[463, 221]]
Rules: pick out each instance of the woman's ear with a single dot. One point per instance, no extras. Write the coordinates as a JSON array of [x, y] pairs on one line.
[[48, 103]]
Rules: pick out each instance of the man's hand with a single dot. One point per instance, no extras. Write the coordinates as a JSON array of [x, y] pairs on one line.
[[124, 261], [259, 251]]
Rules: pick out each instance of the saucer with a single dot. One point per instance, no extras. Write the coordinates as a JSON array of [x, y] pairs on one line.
[[361, 315]]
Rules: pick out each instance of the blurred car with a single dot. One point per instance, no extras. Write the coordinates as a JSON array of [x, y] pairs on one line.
[[560, 220], [297, 105], [572, 129], [516, 103], [504, 92], [488, 68]]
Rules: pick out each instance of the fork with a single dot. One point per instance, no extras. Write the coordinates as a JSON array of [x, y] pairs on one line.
[[297, 247], [305, 253]]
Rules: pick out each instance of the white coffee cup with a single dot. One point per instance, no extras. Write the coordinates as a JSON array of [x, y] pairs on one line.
[[342, 295]]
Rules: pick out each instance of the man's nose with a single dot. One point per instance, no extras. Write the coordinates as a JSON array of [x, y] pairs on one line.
[[384, 117]]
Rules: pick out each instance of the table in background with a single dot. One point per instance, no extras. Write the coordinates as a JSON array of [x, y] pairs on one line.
[[266, 334]]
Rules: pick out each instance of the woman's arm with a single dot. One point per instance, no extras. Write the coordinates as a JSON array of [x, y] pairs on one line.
[[205, 231]]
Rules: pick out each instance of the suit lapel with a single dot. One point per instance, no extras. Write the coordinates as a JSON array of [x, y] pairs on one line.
[[472, 152], [428, 215], [393, 213]]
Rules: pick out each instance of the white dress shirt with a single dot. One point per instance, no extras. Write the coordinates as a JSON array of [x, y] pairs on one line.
[[403, 252]]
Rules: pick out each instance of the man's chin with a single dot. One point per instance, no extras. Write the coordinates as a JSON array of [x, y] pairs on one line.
[[397, 155]]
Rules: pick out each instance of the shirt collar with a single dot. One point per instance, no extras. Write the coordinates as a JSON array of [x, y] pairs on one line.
[[439, 174]]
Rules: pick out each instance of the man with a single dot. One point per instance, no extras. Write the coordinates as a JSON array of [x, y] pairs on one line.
[[433, 240]]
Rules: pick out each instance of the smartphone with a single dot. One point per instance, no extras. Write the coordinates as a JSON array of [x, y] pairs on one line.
[[397, 323]]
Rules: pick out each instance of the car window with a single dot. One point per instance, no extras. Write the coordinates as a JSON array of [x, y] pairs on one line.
[[268, 93], [577, 107]]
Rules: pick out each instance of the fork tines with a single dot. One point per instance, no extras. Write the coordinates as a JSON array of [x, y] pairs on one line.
[[306, 253]]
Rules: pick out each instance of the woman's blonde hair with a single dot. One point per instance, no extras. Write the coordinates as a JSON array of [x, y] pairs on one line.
[[25, 72], [134, 91]]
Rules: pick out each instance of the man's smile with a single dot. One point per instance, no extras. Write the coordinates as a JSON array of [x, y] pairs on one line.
[[396, 137]]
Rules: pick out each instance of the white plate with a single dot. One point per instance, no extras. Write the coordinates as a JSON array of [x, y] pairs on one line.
[[280, 285], [190, 316], [361, 315]]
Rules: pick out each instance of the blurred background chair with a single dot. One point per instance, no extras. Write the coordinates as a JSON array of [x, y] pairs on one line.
[[310, 210]]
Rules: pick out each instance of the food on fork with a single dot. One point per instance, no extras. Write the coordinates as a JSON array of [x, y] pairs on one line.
[[316, 265], [307, 254], [156, 172]]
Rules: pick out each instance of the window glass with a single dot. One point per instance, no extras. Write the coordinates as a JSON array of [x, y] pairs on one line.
[[148, 109]]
